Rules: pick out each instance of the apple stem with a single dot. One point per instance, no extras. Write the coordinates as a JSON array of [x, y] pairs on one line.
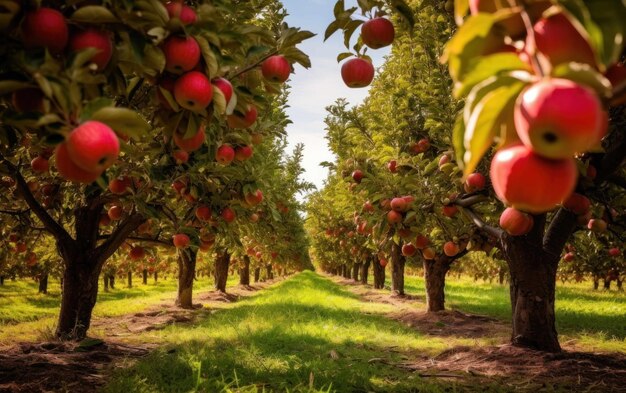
[[253, 65]]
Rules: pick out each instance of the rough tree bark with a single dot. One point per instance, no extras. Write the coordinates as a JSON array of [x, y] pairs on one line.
[[435, 271], [347, 271], [105, 279], [501, 275], [221, 270], [186, 273], [244, 272], [607, 284], [365, 266], [43, 283], [596, 283], [1, 280], [379, 274], [620, 284], [112, 281], [257, 274], [355, 271], [397, 272], [129, 279], [268, 271], [144, 276], [156, 276]]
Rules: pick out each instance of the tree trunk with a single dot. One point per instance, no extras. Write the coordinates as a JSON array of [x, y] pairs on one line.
[[435, 281], [1, 280], [365, 266], [156, 277], [270, 275], [355, 271], [112, 281], [257, 274], [619, 283], [129, 279], [346, 271], [186, 272], [607, 284], [596, 283], [397, 272], [244, 272], [221, 270], [379, 274], [105, 280], [145, 276], [501, 275], [43, 283]]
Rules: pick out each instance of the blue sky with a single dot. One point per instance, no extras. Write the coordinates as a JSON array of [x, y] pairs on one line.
[[314, 89]]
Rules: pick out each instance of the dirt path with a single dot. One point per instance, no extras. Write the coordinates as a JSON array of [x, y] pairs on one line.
[[82, 367], [516, 368]]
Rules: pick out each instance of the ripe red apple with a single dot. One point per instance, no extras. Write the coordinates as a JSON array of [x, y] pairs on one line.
[[176, 9], [182, 54], [399, 204], [428, 253], [474, 182], [254, 198], [137, 253], [560, 42], [276, 69], [382, 261], [256, 138], [421, 242], [450, 249], [357, 72], [20, 247], [203, 213], [193, 91], [45, 28], [616, 74], [238, 120], [180, 156], [28, 100], [393, 217], [254, 217], [449, 210], [243, 153], [516, 222], [93, 146], [357, 176], [570, 256], [577, 203], [181, 240], [192, 143], [558, 118], [368, 207], [443, 160], [115, 212], [597, 225], [392, 166], [69, 170], [40, 164], [225, 154], [119, 185], [228, 215], [614, 252], [517, 174], [225, 87], [408, 250], [93, 38], [377, 33]]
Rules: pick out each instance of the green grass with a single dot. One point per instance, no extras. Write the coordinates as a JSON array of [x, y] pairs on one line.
[[304, 334], [595, 320]]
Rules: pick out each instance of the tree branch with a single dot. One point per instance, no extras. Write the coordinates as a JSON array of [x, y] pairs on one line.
[[482, 225], [253, 65], [470, 200], [559, 231], [119, 235], [14, 212]]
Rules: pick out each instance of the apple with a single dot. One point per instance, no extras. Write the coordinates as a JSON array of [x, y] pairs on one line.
[[225, 87], [182, 54], [377, 33], [93, 146], [516, 222], [239, 120], [616, 74], [394, 217], [29, 99], [254, 217], [399, 204], [69, 170], [45, 28], [192, 143], [357, 72], [225, 154], [368, 207], [560, 41], [569, 257], [180, 156], [443, 160], [176, 9], [256, 138], [243, 153], [408, 250], [450, 249], [558, 118], [357, 176], [120, 184], [517, 174], [20, 247], [254, 198], [449, 210], [228, 215], [421, 242], [193, 91], [597, 225], [137, 253], [276, 69], [181, 240], [92, 38], [428, 253], [474, 182], [614, 252], [382, 261], [392, 166], [40, 164], [577, 203], [203, 213]]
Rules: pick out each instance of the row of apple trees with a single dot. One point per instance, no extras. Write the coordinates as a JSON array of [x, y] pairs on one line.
[[495, 129]]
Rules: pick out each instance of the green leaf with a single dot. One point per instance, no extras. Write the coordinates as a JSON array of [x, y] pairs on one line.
[[484, 67], [349, 29], [219, 101], [461, 8], [343, 56], [93, 14], [11, 86], [332, 28], [93, 106], [123, 120], [586, 75], [208, 56], [339, 7]]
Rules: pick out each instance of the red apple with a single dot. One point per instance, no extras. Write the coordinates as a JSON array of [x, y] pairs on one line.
[[408, 250], [69, 170], [399, 204], [92, 38], [392, 166], [560, 42], [93, 146], [192, 143], [597, 225], [239, 120], [449, 210], [256, 138], [377, 33], [180, 156], [570, 256], [119, 185], [243, 153], [515, 222], [115, 212], [450, 249], [276, 69], [225, 154], [28, 100], [203, 213], [254, 217], [421, 242], [474, 182], [357, 72], [225, 87], [186, 14], [181, 240], [517, 174], [443, 160], [614, 252], [382, 261], [39, 164], [182, 54], [357, 176], [228, 215], [137, 253], [428, 253], [45, 28], [558, 118], [393, 217], [193, 91], [577, 203], [254, 198], [616, 74]]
